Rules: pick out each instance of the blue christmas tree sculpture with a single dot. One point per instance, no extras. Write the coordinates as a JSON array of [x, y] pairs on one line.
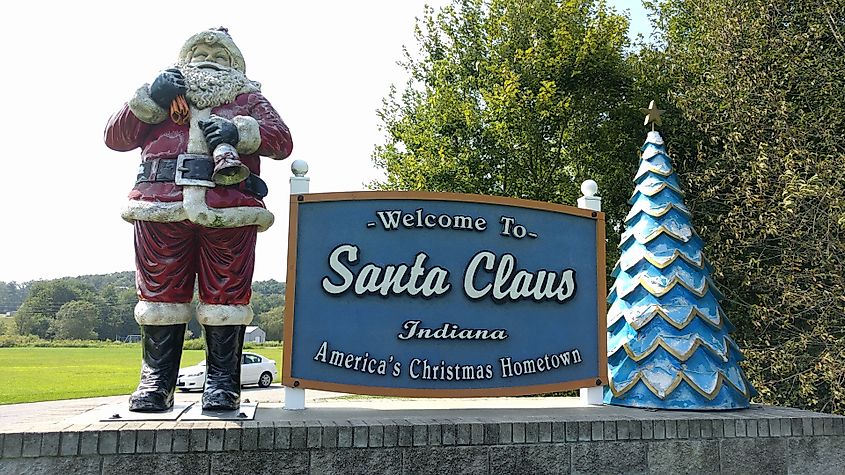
[[668, 337]]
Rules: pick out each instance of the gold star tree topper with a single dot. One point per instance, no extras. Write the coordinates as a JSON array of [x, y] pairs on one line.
[[652, 114]]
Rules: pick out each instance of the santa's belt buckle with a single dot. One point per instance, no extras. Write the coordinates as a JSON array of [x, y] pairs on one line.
[[194, 169]]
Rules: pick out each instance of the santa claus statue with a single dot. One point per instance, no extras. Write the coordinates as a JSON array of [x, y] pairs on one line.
[[197, 206]]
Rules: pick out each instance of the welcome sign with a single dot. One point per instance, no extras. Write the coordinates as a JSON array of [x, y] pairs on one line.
[[442, 295]]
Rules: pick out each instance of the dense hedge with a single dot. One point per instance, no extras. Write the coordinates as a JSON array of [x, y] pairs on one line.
[[756, 90], [32, 341]]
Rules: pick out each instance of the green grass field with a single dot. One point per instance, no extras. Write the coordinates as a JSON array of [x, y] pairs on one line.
[[49, 374]]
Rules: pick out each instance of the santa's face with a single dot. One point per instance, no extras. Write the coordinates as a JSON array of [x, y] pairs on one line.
[[211, 78], [210, 56]]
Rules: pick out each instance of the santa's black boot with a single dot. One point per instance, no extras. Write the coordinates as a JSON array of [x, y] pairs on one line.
[[223, 347], [162, 353]]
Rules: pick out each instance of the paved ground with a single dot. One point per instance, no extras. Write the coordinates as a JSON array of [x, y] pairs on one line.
[[329, 406], [57, 412], [321, 405]]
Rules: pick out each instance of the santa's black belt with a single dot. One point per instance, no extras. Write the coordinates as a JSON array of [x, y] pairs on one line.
[[199, 169]]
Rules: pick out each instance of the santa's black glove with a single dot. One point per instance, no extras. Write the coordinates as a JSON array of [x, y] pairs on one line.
[[169, 84], [218, 130]]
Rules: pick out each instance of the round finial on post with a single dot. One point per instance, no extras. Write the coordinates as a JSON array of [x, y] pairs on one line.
[[589, 188], [299, 168]]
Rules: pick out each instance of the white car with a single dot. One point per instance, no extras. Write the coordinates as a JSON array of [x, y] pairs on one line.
[[255, 369]]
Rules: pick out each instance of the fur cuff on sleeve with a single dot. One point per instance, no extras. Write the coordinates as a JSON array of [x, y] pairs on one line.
[[144, 108], [248, 134]]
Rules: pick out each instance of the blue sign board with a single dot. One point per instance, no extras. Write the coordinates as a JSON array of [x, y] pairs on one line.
[[441, 294]]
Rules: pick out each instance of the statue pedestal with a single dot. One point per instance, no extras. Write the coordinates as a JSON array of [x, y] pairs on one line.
[[245, 413], [121, 413]]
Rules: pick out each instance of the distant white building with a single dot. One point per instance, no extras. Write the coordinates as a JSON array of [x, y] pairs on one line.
[[255, 335]]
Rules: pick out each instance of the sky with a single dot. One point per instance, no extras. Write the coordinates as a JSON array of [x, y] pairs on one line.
[[324, 65]]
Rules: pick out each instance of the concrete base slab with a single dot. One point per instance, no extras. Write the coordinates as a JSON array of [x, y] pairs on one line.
[[121, 413], [389, 435], [245, 413]]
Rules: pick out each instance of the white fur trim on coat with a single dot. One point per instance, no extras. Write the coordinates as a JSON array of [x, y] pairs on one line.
[[155, 211], [219, 315], [194, 209], [196, 137], [249, 136], [162, 313], [193, 198], [145, 108]]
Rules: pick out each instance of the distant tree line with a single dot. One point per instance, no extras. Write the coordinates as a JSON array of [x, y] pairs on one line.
[[12, 295], [101, 307]]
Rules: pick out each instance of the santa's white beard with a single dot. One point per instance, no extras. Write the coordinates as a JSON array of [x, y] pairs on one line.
[[212, 87]]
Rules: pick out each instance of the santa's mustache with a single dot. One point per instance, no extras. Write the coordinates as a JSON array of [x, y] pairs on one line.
[[207, 76], [209, 65], [211, 84]]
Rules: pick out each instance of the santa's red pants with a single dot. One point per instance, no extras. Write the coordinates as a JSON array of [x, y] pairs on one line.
[[168, 256]]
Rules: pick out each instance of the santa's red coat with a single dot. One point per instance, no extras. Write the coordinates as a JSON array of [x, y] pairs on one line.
[[125, 132]]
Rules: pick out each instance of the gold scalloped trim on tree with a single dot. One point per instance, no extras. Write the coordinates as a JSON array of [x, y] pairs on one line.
[[653, 152], [657, 211], [660, 292], [649, 190], [637, 323], [646, 167], [656, 282], [654, 235], [721, 380], [663, 264], [660, 342]]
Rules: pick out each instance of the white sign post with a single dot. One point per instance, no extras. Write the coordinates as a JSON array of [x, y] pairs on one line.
[[299, 183], [593, 396]]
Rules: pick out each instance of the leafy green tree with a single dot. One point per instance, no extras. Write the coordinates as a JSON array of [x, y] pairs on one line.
[[29, 322], [273, 322], [515, 98], [75, 320], [117, 312], [123, 279], [269, 287], [267, 294], [45, 298], [12, 296], [7, 326], [756, 91], [126, 300]]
